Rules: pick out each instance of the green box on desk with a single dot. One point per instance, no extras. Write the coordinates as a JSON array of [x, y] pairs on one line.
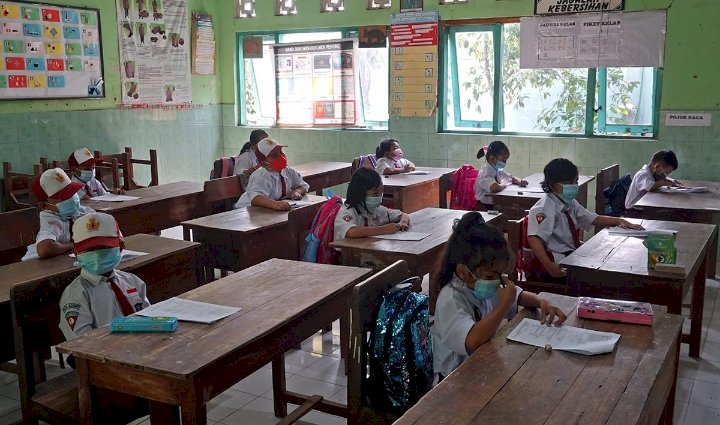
[[661, 249]]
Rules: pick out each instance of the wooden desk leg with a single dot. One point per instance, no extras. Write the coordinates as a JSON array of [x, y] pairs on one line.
[[278, 379], [163, 413], [186, 233], [192, 407], [696, 312], [345, 339], [84, 394], [433, 292], [712, 257]]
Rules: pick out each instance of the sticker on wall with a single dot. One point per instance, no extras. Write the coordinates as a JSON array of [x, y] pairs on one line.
[[692, 119], [31, 13], [37, 81]]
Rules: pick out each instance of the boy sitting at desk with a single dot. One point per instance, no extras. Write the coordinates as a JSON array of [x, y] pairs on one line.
[[100, 292], [652, 177]]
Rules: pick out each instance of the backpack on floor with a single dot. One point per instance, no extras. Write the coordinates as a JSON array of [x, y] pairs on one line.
[[615, 196], [223, 167], [462, 196], [322, 233], [400, 358]]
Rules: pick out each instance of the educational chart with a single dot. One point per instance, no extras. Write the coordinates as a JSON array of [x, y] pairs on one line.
[[593, 40], [315, 84], [203, 46], [49, 52], [413, 64], [154, 52]]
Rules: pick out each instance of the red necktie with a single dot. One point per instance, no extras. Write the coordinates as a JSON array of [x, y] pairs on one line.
[[125, 306], [88, 191], [282, 184], [573, 229]]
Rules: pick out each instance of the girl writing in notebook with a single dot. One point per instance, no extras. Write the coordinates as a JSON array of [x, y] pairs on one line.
[[475, 296]]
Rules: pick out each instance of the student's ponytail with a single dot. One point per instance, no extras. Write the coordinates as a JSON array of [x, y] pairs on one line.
[[384, 147], [481, 152]]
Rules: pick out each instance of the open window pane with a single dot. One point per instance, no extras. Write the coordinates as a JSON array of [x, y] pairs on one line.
[[629, 96], [373, 70], [259, 99]]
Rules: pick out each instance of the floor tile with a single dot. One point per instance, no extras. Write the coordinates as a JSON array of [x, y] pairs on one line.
[[297, 360], [257, 412], [705, 394], [700, 415], [708, 372], [258, 383], [227, 403], [328, 369], [308, 386], [679, 412], [684, 389]]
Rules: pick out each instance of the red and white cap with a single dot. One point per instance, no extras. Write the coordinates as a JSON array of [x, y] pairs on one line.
[[54, 183], [81, 156], [267, 147], [95, 230]]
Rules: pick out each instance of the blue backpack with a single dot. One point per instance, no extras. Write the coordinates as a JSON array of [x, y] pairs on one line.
[[400, 358]]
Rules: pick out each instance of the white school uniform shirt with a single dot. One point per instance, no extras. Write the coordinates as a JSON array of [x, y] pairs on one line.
[[89, 302], [456, 312], [548, 221], [348, 217], [486, 177], [55, 228], [385, 162], [267, 183], [641, 184], [92, 188], [245, 161]]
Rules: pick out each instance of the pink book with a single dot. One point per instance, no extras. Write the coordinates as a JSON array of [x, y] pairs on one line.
[[615, 310]]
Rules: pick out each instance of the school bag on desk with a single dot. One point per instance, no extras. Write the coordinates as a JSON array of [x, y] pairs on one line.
[[462, 195], [322, 233], [400, 360]]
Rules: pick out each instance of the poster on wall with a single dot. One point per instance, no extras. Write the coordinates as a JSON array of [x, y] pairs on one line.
[[49, 52], [154, 52], [558, 7], [315, 84], [413, 64], [593, 40]]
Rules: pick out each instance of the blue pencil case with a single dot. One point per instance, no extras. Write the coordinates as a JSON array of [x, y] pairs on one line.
[[143, 324]]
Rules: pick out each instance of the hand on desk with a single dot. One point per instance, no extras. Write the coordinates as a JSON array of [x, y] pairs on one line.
[[677, 183], [408, 168], [391, 228], [402, 226], [555, 270], [281, 206], [549, 312], [523, 183], [295, 195], [627, 225]]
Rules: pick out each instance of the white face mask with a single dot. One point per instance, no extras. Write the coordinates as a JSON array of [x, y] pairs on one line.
[[87, 175]]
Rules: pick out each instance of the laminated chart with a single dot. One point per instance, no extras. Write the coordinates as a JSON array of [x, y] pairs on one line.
[[413, 64], [49, 52]]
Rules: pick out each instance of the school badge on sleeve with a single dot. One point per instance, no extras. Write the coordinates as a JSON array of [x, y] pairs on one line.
[[347, 218], [71, 317], [540, 217]]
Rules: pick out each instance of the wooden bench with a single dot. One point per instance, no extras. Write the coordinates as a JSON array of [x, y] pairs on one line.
[[604, 179], [17, 230], [222, 193], [17, 187], [152, 163]]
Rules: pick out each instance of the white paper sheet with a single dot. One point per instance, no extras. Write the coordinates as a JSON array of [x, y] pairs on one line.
[[417, 173], [114, 198], [404, 236], [565, 338], [619, 231], [698, 189], [189, 311], [300, 203]]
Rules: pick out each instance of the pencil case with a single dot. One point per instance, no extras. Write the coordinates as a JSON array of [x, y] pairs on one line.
[[143, 324]]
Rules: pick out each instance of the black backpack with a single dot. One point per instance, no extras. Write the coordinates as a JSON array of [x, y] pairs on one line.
[[615, 196]]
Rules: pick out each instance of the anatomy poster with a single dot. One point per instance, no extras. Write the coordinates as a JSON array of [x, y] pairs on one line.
[[49, 52], [154, 52]]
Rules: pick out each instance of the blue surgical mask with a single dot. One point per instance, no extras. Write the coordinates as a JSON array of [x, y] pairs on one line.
[[499, 165], [68, 207], [99, 261], [87, 175], [372, 202], [569, 192], [485, 289]]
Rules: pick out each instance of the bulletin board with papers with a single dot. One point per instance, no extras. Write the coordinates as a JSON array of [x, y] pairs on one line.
[[49, 52]]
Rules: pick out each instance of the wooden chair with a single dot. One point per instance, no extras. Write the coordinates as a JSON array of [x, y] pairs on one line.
[[114, 171], [222, 193], [605, 178], [515, 243], [367, 161], [152, 162], [17, 230], [17, 187], [364, 305], [35, 314]]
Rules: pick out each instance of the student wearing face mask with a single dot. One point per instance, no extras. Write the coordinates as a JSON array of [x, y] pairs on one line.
[[390, 159], [651, 177], [362, 215], [475, 297], [82, 170], [59, 206], [273, 184], [492, 177], [100, 292], [554, 220]]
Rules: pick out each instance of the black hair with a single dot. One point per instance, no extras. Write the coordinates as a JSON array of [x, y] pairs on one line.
[[666, 157], [255, 136], [363, 180], [473, 243], [556, 171], [384, 147], [495, 149]]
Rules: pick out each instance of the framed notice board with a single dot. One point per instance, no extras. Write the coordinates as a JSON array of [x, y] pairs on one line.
[[49, 51]]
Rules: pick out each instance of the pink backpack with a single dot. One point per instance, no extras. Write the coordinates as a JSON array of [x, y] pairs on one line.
[[322, 233], [223, 167], [463, 188]]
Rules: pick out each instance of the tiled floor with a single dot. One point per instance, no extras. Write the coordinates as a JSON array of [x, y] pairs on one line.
[[317, 368]]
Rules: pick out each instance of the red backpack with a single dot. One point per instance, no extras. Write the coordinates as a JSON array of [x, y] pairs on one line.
[[322, 233], [223, 167], [463, 188]]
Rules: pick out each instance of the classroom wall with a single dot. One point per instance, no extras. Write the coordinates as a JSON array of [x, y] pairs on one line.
[[690, 84], [187, 140]]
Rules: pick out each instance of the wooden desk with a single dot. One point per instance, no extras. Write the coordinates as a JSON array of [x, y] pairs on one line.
[[514, 200], [611, 266], [320, 174], [283, 302], [506, 382], [170, 268], [240, 238], [687, 207], [411, 193], [421, 256], [159, 207]]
